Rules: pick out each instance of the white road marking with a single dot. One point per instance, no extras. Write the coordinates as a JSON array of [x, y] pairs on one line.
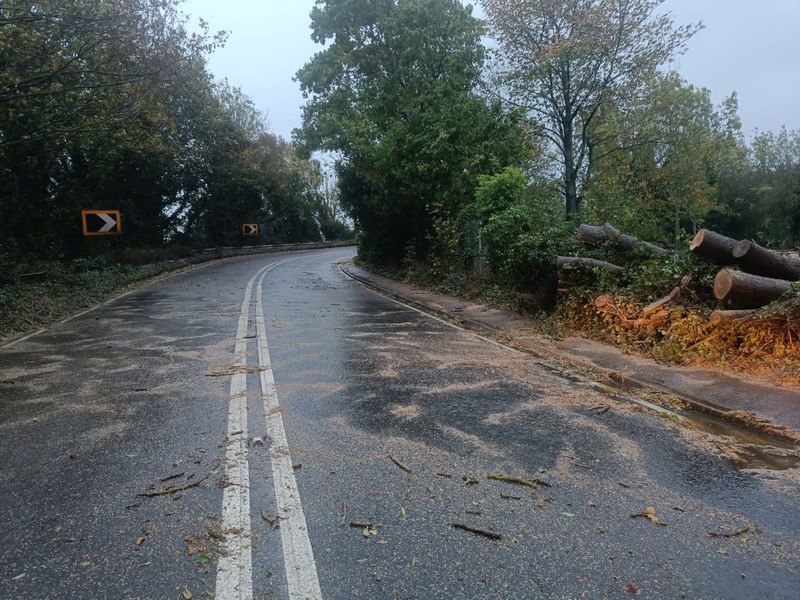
[[235, 566], [298, 556]]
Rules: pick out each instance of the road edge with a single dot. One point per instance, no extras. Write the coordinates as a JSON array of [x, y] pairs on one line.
[[772, 428], [204, 258]]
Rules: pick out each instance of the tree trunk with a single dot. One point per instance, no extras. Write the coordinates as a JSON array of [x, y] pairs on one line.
[[628, 242], [595, 236], [748, 291], [589, 262], [723, 316], [591, 234], [714, 247], [762, 261]]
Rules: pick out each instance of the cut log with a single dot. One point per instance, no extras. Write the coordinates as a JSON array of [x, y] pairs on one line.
[[713, 246], [724, 316], [744, 290], [591, 234], [628, 242], [596, 236], [589, 262], [763, 261]]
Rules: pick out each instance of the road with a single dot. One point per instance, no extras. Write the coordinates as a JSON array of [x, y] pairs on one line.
[[214, 435]]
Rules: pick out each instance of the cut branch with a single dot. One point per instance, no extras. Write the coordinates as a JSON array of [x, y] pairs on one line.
[[726, 316]]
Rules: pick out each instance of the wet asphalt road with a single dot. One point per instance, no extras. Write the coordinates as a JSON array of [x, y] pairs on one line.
[[133, 398]]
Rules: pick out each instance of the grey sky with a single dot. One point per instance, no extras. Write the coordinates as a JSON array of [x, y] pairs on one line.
[[751, 46]]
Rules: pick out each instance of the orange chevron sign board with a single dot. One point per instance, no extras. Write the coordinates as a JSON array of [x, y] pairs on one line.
[[250, 229], [101, 222]]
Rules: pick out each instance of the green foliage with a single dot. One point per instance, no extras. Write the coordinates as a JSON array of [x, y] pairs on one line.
[[497, 193], [393, 94], [110, 105], [59, 288], [524, 241], [567, 63]]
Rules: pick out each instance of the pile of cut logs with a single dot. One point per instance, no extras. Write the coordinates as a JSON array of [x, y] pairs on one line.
[[764, 276]]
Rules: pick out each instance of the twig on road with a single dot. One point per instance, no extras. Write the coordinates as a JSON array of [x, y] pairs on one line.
[[399, 464], [484, 532], [177, 488], [531, 483], [730, 534]]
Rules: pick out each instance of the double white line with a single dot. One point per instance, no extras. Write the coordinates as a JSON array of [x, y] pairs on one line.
[[234, 568]]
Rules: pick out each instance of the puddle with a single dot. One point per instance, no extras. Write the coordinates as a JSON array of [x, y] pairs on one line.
[[745, 448]]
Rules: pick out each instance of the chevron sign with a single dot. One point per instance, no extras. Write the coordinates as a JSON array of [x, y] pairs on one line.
[[101, 222]]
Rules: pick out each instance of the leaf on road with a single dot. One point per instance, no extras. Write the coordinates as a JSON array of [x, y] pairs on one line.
[[470, 480], [631, 588], [568, 514], [649, 513], [191, 545], [187, 593], [368, 532], [403, 515], [140, 540]]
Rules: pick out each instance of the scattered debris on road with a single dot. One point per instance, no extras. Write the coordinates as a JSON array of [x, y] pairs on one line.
[[510, 497]]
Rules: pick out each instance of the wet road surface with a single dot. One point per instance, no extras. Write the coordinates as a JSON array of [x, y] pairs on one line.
[[143, 457]]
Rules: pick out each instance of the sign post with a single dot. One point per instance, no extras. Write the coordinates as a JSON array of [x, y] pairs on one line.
[[101, 222]]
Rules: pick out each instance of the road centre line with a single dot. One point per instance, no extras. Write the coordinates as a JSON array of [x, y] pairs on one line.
[[235, 566], [298, 555]]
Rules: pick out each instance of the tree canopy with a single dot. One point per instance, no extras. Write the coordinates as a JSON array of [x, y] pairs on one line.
[[109, 104], [564, 63], [394, 94]]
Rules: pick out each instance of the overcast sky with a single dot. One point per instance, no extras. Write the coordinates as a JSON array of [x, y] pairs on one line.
[[750, 46]]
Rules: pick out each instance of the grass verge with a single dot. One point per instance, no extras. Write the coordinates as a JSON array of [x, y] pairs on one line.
[[39, 293]]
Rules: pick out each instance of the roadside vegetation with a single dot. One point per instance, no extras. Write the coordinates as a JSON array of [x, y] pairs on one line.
[[470, 168], [110, 105]]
